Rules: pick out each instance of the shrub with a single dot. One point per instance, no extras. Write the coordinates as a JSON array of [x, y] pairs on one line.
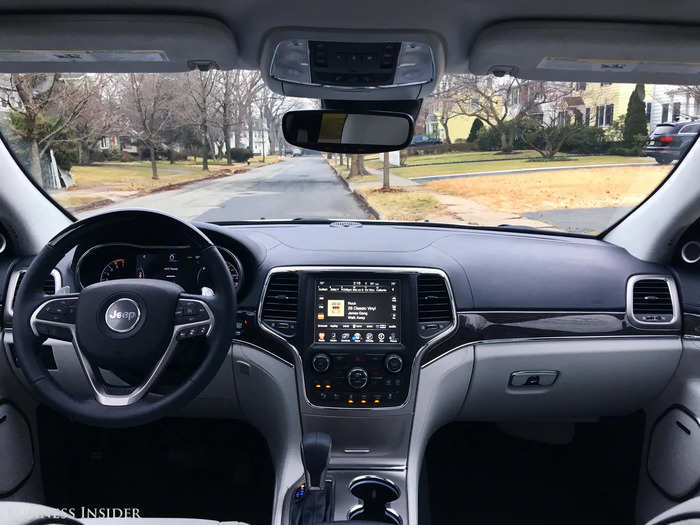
[[65, 156], [477, 126], [589, 140], [489, 139], [626, 151], [241, 154]]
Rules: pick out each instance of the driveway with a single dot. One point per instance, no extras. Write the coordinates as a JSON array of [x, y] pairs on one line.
[[299, 187]]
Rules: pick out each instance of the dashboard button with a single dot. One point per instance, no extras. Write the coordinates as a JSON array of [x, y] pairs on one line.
[[358, 378], [393, 363], [321, 363]]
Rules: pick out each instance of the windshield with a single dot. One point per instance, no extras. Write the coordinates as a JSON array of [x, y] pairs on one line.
[[559, 156]]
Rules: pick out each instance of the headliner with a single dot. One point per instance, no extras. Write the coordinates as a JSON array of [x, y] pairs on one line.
[[456, 22]]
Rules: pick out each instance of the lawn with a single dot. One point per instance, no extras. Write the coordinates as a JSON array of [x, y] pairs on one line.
[[468, 156], [401, 205], [448, 169], [583, 188], [118, 180]]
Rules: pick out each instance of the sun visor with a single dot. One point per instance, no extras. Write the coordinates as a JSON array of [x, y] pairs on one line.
[[352, 65], [589, 51], [113, 43]]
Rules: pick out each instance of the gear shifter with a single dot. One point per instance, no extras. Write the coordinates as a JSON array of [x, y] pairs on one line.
[[315, 454], [315, 505]]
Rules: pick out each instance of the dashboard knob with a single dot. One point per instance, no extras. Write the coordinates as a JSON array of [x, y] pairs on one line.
[[321, 363], [358, 378], [393, 363]]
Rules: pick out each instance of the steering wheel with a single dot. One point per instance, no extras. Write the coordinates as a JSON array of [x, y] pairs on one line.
[[127, 325]]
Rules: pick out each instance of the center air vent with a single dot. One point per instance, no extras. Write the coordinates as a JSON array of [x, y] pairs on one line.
[[652, 300], [434, 305], [279, 310]]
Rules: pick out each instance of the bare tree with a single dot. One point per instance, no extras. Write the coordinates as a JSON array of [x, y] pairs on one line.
[[547, 132], [44, 106], [199, 87], [503, 103], [148, 107], [102, 117], [443, 103]]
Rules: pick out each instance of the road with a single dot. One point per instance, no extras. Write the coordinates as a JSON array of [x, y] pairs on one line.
[[580, 220], [298, 187]]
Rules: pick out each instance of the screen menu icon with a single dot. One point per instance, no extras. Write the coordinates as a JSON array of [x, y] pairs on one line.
[[357, 311]]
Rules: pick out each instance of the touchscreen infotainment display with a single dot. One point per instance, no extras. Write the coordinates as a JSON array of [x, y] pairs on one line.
[[357, 311]]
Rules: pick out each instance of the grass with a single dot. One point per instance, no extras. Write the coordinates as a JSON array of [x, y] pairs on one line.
[[344, 172], [114, 180], [448, 169], [402, 205], [584, 188]]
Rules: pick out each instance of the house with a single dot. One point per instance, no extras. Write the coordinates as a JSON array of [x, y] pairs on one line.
[[666, 103]]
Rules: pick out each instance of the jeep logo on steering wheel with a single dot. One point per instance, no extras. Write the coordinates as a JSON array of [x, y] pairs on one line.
[[122, 315]]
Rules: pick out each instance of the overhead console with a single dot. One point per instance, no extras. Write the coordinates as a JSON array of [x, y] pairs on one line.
[[352, 65], [357, 331]]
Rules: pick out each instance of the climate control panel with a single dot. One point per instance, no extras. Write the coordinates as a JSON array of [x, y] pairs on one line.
[[356, 379]]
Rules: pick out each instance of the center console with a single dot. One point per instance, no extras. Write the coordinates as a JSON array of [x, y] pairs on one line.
[[359, 347]]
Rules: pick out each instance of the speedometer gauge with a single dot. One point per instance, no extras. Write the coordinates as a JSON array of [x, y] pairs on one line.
[[116, 269]]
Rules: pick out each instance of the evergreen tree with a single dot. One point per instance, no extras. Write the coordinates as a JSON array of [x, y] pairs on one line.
[[476, 127], [635, 120]]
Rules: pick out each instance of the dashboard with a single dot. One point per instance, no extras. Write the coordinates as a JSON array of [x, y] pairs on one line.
[[178, 264]]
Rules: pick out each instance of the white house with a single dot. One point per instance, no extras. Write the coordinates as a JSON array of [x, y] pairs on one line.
[[666, 103]]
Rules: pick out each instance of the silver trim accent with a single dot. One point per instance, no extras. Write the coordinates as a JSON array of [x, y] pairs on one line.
[[685, 257], [3, 243], [675, 303], [138, 315], [545, 339], [415, 367], [358, 369], [12, 287], [93, 375], [236, 260]]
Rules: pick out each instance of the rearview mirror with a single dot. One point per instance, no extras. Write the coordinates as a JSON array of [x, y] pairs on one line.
[[339, 132]]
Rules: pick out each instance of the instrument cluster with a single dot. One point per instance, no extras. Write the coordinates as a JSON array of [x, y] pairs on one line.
[[179, 264]]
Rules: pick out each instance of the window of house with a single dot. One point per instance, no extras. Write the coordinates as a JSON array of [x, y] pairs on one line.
[[563, 118], [609, 109], [104, 144], [515, 96], [3, 103], [474, 104], [664, 112], [587, 117], [580, 86], [676, 111], [606, 83], [647, 112]]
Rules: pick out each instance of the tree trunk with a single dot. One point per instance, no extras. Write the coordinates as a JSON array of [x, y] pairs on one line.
[[154, 165], [227, 143], [387, 176], [251, 135], [361, 165], [506, 141], [448, 140], [354, 165], [35, 163]]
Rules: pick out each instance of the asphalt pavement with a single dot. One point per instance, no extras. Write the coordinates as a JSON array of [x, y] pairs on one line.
[[298, 187], [580, 220]]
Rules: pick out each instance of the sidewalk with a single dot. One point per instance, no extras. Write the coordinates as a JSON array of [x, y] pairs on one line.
[[431, 178]]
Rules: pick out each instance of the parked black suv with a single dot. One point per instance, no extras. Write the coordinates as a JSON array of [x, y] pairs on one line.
[[669, 141]]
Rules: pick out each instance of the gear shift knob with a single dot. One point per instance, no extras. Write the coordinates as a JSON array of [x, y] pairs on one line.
[[315, 454]]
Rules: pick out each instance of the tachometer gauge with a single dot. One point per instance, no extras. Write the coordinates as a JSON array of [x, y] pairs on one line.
[[116, 269], [232, 263]]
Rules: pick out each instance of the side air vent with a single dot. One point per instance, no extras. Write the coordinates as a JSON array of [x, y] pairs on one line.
[[279, 310], [51, 286], [434, 305], [652, 300]]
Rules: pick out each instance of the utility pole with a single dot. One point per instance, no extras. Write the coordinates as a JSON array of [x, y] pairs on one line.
[[262, 131], [387, 177]]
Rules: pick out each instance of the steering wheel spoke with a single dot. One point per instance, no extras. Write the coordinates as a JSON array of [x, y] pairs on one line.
[[193, 316], [55, 317]]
